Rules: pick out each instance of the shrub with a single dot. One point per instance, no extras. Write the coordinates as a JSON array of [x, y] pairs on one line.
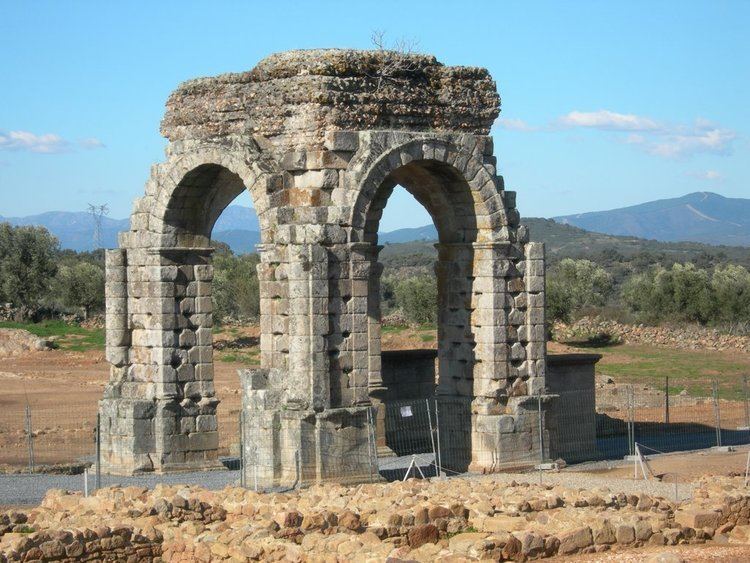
[[27, 264], [81, 285], [417, 298], [573, 285]]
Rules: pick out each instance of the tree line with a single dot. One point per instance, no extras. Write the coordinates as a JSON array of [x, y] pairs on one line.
[[37, 277], [36, 274], [651, 294]]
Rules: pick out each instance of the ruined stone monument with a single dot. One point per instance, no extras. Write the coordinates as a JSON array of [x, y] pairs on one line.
[[320, 139]]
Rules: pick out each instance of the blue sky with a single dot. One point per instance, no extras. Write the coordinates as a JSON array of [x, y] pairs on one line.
[[605, 104]]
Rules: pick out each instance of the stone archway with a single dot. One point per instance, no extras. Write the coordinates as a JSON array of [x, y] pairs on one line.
[[488, 352], [159, 407], [320, 164], [442, 190]]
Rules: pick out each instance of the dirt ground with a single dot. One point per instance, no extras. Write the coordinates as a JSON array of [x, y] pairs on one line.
[[683, 467], [672, 554], [62, 389]]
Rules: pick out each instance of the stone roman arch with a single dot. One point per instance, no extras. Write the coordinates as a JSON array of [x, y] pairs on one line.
[[320, 139]]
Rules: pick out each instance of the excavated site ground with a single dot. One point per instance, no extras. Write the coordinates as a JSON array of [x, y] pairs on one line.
[[464, 518], [478, 518]]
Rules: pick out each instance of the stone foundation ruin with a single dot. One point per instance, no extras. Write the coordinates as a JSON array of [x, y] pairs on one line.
[[320, 139]]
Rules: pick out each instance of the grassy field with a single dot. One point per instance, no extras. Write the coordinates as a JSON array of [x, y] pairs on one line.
[[243, 356], [65, 336], [425, 333], [692, 370]]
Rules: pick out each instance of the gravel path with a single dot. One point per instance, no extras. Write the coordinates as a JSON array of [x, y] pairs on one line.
[[590, 482], [25, 490]]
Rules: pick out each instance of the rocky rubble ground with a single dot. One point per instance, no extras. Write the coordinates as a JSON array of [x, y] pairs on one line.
[[482, 518], [15, 341], [684, 336]]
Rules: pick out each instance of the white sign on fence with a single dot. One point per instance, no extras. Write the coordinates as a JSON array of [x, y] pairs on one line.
[[406, 411]]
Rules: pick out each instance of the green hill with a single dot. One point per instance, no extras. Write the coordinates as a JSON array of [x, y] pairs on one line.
[[566, 241]]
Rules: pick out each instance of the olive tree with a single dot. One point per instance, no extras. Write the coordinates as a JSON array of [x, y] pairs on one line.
[[417, 298], [82, 285], [681, 293], [731, 287], [27, 264], [236, 292], [574, 285]]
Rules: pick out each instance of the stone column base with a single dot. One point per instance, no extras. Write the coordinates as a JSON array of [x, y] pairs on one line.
[[153, 436], [126, 434], [287, 448], [504, 442], [284, 447]]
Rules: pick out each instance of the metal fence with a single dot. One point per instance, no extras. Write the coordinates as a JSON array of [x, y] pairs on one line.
[[409, 438], [676, 416]]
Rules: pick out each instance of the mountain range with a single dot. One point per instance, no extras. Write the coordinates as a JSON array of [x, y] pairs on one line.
[[237, 225], [699, 217], [702, 217]]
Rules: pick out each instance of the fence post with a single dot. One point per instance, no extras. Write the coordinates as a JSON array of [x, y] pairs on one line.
[[437, 430], [242, 448], [717, 411], [666, 399], [30, 435], [541, 434], [98, 482], [432, 437], [631, 420], [372, 449], [298, 459], [745, 398]]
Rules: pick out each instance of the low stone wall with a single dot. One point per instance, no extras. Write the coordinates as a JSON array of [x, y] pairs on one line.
[[15, 341], [473, 519], [100, 544], [685, 336]]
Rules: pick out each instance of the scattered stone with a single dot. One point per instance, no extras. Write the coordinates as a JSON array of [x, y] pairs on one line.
[[420, 535], [371, 522]]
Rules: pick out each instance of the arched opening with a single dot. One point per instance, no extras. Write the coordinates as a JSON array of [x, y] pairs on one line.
[[216, 293], [424, 376]]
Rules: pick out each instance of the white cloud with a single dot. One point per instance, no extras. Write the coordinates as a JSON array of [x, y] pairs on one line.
[[608, 121], [690, 142], [515, 124], [91, 143], [661, 139], [26, 141], [709, 175], [48, 143], [658, 138]]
